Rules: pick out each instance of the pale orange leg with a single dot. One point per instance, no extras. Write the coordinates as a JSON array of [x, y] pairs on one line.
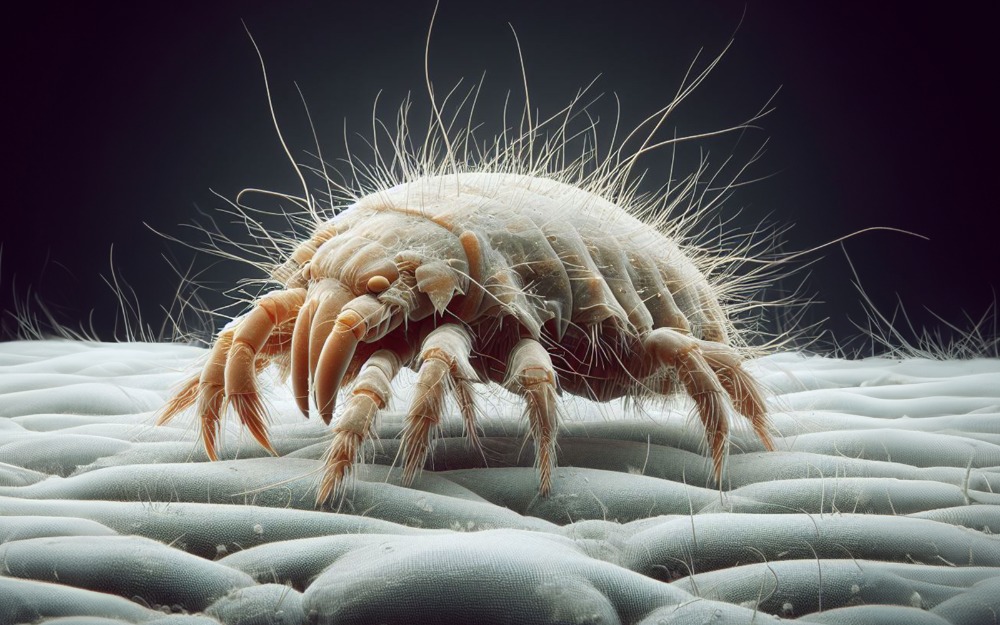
[[332, 296], [299, 358], [370, 394], [211, 392], [324, 300], [669, 348], [249, 336], [466, 399], [362, 319], [184, 397], [189, 392], [277, 350], [206, 389], [444, 365], [530, 373]]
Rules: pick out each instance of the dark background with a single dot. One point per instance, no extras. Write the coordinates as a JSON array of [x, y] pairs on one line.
[[885, 117]]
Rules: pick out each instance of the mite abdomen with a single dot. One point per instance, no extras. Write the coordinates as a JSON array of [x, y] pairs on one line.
[[566, 250]]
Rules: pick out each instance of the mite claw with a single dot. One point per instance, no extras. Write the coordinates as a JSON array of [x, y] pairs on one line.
[[184, 397], [210, 402], [251, 412]]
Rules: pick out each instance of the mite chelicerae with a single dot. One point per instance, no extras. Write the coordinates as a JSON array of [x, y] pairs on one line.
[[502, 263]]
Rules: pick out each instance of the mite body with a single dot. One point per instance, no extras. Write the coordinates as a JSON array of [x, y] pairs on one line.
[[521, 280]]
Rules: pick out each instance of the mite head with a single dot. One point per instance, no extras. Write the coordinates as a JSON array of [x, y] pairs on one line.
[[403, 260]]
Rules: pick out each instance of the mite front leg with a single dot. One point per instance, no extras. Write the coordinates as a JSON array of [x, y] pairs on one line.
[[370, 394], [251, 333], [211, 394], [530, 374], [207, 389]]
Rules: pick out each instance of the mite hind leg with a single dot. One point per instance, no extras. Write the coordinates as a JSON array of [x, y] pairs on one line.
[[664, 347], [444, 366], [743, 389], [530, 374]]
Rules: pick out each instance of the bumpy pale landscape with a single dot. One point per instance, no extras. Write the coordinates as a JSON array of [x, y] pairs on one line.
[[879, 505]]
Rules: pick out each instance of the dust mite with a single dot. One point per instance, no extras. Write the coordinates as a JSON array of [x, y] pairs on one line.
[[524, 280]]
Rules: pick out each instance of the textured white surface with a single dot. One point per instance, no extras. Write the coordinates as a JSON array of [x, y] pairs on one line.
[[878, 507]]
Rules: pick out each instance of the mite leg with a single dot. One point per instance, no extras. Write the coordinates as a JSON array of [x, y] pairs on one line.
[[184, 397], [464, 396], [444, 365], [277, 350], [669, 348], [364, 318], [300, 372], [249, 336], [742, 388], [190, 391], [530, 374], [312, 326], [207, 390], [211, 392], [370, 394]]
